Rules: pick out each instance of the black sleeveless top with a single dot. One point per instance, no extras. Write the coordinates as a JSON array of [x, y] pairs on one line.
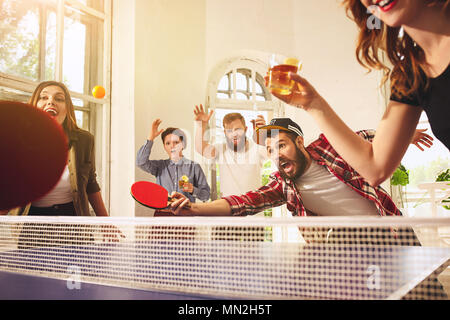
[[435, 101]]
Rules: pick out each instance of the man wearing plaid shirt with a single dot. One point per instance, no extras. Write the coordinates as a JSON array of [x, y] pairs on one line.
[[314, 180], [311, 181]]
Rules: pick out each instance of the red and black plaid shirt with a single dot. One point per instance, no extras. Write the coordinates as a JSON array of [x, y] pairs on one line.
[[279, 191]]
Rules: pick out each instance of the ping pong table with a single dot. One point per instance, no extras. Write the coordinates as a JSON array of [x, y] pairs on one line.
[[217, 270]]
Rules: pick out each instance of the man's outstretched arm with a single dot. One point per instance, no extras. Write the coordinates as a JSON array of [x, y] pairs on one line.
[[252, 202], [183, 207]]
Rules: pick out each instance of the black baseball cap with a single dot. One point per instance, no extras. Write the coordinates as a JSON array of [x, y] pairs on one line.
[[284, 124]]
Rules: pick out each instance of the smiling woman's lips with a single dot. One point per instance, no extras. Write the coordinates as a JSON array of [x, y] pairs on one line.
[[52, 112], [386, 5]]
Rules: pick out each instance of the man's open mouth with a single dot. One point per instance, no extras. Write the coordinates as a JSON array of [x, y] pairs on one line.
[[287, 166]]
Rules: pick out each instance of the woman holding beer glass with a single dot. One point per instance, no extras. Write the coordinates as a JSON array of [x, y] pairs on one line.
[[420, 81]]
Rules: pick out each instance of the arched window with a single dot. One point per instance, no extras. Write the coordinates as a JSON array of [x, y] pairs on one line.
[[248, 85], [237, 85]]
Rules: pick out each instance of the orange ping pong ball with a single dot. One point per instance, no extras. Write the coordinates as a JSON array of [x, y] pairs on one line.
[[98, 92]]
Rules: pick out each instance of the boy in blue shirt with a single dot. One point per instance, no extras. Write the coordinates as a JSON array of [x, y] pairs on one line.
[[176, 173]]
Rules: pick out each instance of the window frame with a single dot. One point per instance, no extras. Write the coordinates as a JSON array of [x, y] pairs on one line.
[[252, 78]]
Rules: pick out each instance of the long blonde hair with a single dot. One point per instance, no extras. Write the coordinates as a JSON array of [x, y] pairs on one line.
[[69, 123], [406, 57]]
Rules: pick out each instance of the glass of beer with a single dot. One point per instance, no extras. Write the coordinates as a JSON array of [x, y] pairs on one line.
[[279, 82]]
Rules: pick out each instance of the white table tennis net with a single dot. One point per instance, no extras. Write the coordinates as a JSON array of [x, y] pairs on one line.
[[250, 258]]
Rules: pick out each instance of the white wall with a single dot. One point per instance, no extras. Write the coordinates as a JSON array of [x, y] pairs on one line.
[[259, 26], [325, 42], [164, 50], [122, 109], [170, 71]]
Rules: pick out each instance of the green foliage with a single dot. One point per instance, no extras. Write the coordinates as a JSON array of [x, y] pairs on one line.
[[266, 171], [400, 176], [267, 164], [265, 179], [19, 52], [444, 176], [21, 40]]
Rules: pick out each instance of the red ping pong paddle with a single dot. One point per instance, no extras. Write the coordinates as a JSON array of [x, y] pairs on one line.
[[151, 195], [34, 152]]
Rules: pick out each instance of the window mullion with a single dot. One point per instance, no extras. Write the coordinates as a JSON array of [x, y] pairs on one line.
[[253, 85], [88, 10], [234, 96], [42, 41], [59, 40]]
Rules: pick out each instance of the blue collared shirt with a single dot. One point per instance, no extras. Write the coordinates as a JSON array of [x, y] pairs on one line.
[[168, 173]]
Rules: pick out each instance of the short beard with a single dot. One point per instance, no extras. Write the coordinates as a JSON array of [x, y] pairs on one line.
[[300, 163], [236, 148]]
